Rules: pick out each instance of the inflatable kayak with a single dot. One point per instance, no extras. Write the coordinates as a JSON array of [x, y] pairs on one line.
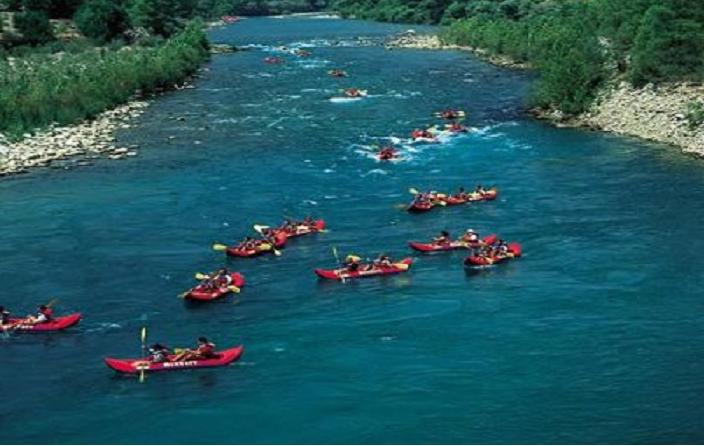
[[135, 366], [420, 206], [262, 247], [273, 60], [56, 324], [475, 260], [344, 274], [303, 229], [205, 294], [435, 247], [489, 195]]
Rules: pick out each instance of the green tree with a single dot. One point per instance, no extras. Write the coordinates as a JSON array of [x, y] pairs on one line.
[[34, 27], [156, 16], [101, 19]]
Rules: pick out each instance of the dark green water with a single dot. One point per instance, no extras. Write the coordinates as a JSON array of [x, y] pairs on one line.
[[595, 335]]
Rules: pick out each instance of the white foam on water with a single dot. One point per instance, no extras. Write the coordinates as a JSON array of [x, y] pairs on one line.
[[343, 100]]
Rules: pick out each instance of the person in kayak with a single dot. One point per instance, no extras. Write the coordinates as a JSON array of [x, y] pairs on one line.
[[205, 350], [248, 243], [352, 262], [44, 315], [470, 236], [383, 261], [387, 153], [353, 93], [456, 127], [461, 193], [222, 278], [159, 353], [442, 239], [420, 133], [450, 114], [337, 73]]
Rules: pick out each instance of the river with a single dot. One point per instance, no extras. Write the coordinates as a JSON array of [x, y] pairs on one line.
[[594, 335]]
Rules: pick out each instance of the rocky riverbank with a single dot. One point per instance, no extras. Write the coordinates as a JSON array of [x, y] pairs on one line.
[[410, 39], [652, 113], [81, 142]]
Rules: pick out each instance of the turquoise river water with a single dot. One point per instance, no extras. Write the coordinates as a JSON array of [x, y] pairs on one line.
[[595, 335]]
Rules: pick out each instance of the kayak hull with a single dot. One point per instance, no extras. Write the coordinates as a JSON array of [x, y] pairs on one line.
[[203, 295], [57, 324], [418, 208], [135, 366], [343, 274]]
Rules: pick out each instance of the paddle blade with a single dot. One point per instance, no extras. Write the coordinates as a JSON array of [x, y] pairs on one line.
[[260, 228], [52, 302], [234, 289], [143, 335], [413, 191], [201, 276], [219, 247]]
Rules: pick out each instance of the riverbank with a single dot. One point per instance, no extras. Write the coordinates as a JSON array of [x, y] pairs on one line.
[[81, 142], [652, 113], [101, 91], [410, 39]]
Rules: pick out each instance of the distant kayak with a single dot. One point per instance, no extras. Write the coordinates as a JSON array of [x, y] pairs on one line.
[[302, 229], [420, 206], [260, 247], [478, 260], [435, 247], [56, 324], [203, 293], [344, 274], [135, 366]]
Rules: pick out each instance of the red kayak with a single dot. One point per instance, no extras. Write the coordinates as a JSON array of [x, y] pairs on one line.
[[302, 229], [344, 274], [489, 195], [513, 248], [263, 247], [205, 294], [454, 200], [135, 366], [420, 206], [435, 247], [56, 324]]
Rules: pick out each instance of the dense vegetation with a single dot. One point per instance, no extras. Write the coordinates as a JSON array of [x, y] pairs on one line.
[[38, 90], [576, 45]]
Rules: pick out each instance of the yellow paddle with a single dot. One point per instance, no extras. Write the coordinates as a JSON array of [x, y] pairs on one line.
[[219, 247], [260, 229]]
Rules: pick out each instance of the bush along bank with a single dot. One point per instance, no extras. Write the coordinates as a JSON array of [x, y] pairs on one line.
[[40, 96]]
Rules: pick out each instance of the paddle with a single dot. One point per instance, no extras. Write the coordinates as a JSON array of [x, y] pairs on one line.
[[219, 247], [143, 336], [337, 259], [260, 229]]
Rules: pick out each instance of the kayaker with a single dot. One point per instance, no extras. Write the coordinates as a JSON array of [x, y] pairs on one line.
[[479, 190], [457, 127], [353, 93], [248, 243], [159, 353], [470, 236], [205, 350], [461, 193], [383, 261], [443, 238], [352, 262], [44, 315], [222, 278]]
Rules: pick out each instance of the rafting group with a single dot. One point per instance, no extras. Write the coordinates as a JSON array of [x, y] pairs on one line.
[[426, 201], [484, 251]]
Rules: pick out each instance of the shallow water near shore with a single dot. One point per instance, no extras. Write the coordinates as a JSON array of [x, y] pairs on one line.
[[594, 336]]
